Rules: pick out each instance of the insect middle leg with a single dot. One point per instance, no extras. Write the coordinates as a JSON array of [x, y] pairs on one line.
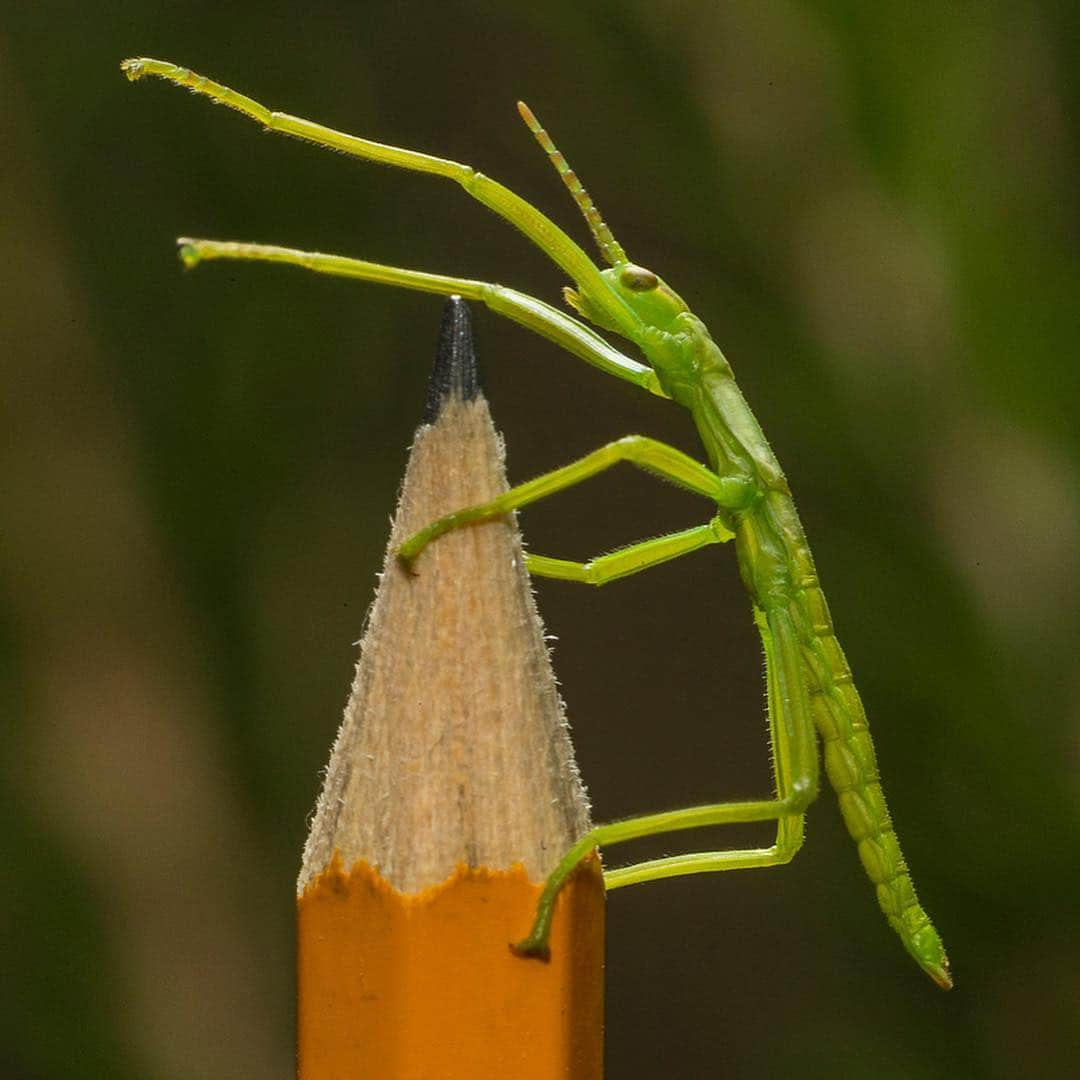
[[648, 454], [795, 772], [628, 560]]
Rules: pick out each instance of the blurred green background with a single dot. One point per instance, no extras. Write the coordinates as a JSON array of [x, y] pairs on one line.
[[873, 206]]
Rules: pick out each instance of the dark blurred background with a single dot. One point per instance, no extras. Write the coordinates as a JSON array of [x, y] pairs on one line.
[[873, 206]]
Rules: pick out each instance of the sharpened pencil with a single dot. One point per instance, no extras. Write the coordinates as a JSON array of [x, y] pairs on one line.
[[450, 795]]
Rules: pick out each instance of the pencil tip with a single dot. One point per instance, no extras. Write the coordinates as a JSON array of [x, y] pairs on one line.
[[453, 375]]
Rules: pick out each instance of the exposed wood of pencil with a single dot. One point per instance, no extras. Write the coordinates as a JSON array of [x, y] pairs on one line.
[[451, 793]]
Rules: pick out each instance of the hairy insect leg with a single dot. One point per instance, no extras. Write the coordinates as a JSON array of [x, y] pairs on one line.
[[647, 454], [539, 228], [543, 319], [795, 766], [795, 772]]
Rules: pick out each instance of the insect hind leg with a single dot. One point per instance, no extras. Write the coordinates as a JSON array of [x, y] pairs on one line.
[[795, 771]]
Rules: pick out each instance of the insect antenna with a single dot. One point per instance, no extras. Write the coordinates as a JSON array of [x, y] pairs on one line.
[[609, 247]]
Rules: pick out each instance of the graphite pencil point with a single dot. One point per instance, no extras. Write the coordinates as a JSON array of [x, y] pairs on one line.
[[453, 375]]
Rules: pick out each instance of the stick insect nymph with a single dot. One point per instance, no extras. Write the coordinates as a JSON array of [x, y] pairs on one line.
[[809, 686]]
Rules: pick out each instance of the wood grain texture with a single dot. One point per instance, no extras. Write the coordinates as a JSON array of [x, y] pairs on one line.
[[454, 747]]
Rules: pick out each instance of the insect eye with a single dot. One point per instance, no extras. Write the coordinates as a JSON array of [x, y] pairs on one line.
[[637, 279]]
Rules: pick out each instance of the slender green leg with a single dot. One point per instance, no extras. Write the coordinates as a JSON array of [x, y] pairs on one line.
[[539, 228], [631, 559], [566, 331], [795, 772], [729, 492]]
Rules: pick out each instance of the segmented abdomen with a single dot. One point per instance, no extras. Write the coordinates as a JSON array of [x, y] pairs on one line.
[[851, 763], [778, 570]]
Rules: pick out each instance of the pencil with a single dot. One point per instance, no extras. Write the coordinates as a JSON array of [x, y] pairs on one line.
[[450, 795]]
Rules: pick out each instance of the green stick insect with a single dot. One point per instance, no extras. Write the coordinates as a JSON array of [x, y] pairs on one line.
[[809, 683]]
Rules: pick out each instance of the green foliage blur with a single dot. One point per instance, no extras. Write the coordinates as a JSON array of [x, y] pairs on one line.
[[874, 207]]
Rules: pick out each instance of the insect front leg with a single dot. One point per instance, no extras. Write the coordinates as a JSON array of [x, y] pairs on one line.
[[537, 226], [795, 773], [543, 319]]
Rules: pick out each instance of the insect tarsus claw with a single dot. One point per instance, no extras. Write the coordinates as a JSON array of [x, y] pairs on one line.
[[188, 253], [531, 949], [407, 563]]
